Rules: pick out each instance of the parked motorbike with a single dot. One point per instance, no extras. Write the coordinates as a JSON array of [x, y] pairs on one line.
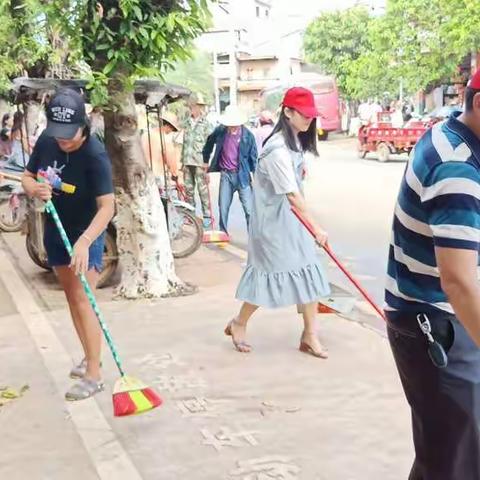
[[13, 207], [184, 227]]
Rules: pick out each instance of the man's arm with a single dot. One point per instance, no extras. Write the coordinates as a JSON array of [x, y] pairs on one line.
[[459, 280], [171, 158], [209, 144], [253, 153], [451, 204]]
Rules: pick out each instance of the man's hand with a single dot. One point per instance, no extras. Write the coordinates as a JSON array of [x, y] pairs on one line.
[[43, 191], [80, 256], [180, 186]]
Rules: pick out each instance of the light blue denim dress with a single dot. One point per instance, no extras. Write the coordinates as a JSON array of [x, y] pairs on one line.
[[283, 267]]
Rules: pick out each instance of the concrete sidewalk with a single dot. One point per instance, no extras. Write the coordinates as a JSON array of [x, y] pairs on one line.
[[273, 414]]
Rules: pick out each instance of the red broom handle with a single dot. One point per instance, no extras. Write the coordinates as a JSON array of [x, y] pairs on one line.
[[367, 297]]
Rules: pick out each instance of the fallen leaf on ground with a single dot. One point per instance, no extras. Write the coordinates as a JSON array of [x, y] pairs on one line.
[[7, 394], [10, 393]]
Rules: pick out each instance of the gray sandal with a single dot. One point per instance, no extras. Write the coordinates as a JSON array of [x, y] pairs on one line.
[[84, 389], [80, 370]]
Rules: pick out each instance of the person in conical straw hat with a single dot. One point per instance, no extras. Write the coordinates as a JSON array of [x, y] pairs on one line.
[[171, 156], [235, 158], [196, 132], [199, 99]]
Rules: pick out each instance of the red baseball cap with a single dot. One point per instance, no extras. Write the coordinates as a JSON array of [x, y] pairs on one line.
[[474, 82], [301, 99]]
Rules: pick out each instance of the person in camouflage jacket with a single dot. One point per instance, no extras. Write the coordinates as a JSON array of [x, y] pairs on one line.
[[197, 129]]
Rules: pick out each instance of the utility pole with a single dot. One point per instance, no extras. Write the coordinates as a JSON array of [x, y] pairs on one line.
[[228, 7], [233, 62], [215, 81]]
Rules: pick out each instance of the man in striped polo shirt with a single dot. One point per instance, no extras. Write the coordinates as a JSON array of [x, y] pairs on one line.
[[433, 295]]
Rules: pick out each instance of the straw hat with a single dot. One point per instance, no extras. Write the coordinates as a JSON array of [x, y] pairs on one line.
[[171, 119], [233, 117], [197, 99]]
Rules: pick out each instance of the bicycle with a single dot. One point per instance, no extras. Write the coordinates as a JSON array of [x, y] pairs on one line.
[[184, 227]]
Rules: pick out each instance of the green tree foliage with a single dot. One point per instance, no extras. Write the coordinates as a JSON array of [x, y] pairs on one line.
[[421, 42], [8, 67], [125, 39], [335, 40], [460, 29], [408, 41], [32, 41], [195, 73]]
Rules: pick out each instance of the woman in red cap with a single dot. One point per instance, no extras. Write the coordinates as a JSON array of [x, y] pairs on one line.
[[283, 267]]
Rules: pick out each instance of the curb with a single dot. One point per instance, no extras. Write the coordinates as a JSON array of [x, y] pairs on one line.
[[104, 449]]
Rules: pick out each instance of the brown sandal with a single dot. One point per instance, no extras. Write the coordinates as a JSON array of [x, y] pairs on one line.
[[237, 345], [308, 349]]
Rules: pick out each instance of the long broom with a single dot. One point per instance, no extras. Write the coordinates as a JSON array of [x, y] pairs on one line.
[[130, 396], [364, 293], [213, 235]]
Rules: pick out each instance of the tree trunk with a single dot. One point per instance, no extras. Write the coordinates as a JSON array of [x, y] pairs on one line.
[[142, 236], [34, 119]]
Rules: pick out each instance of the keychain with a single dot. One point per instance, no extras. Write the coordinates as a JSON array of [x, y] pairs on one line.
[[436, 352]]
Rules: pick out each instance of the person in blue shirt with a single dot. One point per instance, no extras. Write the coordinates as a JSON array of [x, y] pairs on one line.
[[80, 159], [236, 158], [432, 295]]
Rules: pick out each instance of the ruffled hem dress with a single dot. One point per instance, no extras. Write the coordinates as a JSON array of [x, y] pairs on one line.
[[283, 266]]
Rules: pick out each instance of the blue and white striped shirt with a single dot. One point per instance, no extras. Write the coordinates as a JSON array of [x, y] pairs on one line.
[[438, 205]]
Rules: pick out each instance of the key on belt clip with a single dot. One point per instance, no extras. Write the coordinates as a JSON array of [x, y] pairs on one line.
[[436, 352]]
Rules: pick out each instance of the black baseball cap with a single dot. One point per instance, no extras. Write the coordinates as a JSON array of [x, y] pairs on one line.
[[65, 114]]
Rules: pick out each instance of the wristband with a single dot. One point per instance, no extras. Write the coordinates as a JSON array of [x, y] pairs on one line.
[[175, 178]]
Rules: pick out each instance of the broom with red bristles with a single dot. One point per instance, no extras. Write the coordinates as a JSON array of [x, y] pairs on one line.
[[364, 293], [130, 396]]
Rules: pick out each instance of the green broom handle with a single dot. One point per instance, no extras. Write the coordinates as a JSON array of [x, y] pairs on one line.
[[50, 208]]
